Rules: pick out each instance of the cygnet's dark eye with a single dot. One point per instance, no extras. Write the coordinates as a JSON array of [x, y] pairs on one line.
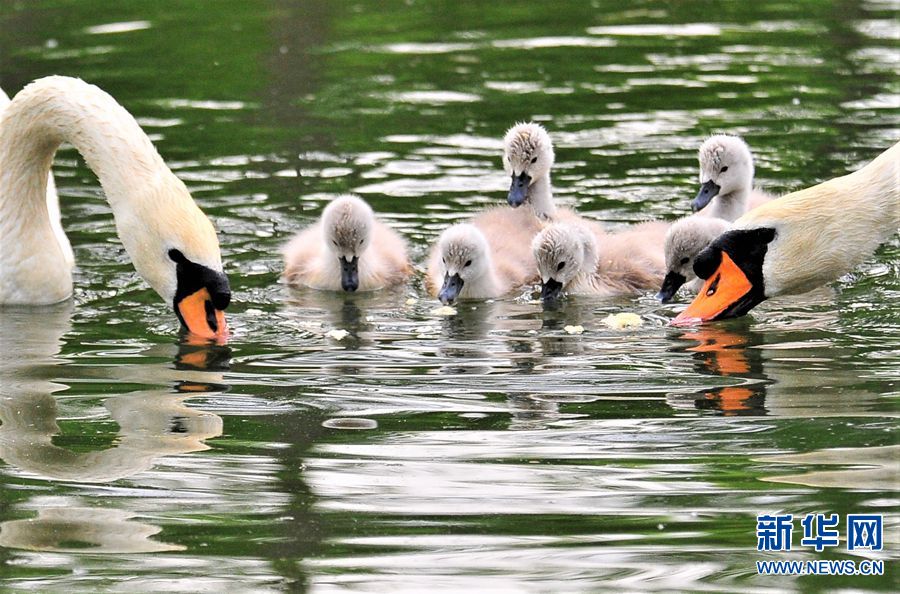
[[560, 266], [468, 263], [685, 260], [534, 160], [724, 169]]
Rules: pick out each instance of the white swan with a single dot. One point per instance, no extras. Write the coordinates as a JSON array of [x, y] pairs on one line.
[[347, 249], [171, 242], [571, 258], [726, 179], [486, 258], [685, 239], [798, 242]]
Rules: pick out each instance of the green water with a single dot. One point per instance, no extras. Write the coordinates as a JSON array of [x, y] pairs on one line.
[[508, 455]]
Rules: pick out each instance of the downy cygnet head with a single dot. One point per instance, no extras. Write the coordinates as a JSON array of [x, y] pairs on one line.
[[726, 165], [562, 252], [465, 261], [527, 157], [684, 240], [347, 226]]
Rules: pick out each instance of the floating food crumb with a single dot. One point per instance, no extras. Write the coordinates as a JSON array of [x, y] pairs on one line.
[[411, 301], [337, 334], [444, 310], [620, 321], [574, 329]]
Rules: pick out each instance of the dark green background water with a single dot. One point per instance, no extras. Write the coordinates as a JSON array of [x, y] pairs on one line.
[[508, 454]]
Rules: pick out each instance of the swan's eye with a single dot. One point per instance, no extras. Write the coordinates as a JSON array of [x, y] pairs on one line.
[[685, 260], [534, 160], [468, 263], [713, 287], [560, 266], [724, 169]]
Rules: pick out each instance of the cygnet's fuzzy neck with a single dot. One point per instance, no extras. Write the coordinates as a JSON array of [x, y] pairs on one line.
[[730, 206], [540, 196]]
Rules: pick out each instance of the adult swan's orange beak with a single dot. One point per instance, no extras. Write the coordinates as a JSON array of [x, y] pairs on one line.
[[732, 267], [200, 316], [201, 298]]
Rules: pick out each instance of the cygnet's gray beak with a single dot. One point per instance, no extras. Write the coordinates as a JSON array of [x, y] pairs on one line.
[[350, 273], [518, 191], [708, 191], [551, 290], [450, 289], [670, 286]]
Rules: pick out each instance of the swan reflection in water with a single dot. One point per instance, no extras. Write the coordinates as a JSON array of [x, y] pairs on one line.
[[82, 530], [797, 364], [152, 424], [875, 468], [723, 353]]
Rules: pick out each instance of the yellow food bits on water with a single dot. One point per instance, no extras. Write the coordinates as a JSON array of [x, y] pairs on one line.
[[444, 310], [574, 329], [621, 321]]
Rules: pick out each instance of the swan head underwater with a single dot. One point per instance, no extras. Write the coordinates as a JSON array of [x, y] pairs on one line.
[[173, 246], [684, 240], [562, 252], [347, 224], [201, 296], [466, 264], [527, 158], [726, 165]]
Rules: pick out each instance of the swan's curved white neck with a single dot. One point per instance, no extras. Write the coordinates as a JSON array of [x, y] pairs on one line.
[[135, 180], [824, 231]]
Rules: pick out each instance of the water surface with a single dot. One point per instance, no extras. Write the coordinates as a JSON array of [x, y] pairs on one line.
[[491, 449]]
